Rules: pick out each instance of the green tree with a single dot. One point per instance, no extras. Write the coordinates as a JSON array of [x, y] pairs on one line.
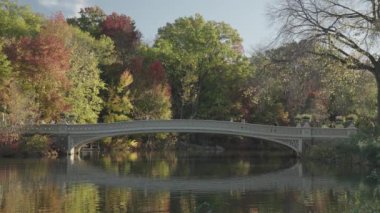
[[118, 105], [17, 21], [5, 65], [90, 20], [5, 72], [345, 93], [86, 84], [205, 65]]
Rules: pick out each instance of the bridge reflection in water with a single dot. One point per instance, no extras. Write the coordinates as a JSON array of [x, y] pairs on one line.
[[286, 179], [229, 182], [73, 136]]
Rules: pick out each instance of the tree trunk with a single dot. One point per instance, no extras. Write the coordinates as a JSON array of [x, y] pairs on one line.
[[377, 76]]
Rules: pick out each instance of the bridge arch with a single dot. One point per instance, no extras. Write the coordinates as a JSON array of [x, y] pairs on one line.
[[83, 140]]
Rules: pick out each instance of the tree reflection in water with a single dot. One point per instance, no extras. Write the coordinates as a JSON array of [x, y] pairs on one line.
[[45, 186]]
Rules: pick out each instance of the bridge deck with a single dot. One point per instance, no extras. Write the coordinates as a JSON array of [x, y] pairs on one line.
[[189, 125]]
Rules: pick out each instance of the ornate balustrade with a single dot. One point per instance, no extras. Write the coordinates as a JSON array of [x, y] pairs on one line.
[[188, 125]]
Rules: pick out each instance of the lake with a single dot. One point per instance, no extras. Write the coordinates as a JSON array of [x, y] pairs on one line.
[[184, 182]]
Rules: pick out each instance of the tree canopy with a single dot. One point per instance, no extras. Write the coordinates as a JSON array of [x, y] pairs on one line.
[[17, 21], [288, 83], [95, 67], [204, 63]]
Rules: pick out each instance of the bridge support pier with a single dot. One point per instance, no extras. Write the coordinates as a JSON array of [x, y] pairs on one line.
[[70, 146], [64, 144], [300, 147]]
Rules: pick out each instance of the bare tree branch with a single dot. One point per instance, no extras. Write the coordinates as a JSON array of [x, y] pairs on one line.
[[332, 20], [354, 14]]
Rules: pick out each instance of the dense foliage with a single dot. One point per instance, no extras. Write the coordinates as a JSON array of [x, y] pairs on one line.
[[205, 66], [288, 83], [95, 68]]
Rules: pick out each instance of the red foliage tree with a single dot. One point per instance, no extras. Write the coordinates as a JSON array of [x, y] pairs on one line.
[[42, 62], [41, 56], [149, 74], [121, 29], [137, 64], [157, 72]]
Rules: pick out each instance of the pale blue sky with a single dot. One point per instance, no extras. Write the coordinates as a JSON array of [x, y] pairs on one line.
[[247, 16]]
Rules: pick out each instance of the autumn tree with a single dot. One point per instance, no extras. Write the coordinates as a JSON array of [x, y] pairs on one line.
[[42, 63], [15, 22], [17, 104], [118, 106], [205, 65], [150, 92], [348, 28], [87, 53], [61, 66], [122, 30]]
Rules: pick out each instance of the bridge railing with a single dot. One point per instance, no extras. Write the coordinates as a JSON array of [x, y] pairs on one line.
[[167, 124], [332, 132]]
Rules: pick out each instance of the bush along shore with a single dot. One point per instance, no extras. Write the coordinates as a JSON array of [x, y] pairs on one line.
[[12, 144], [361, 150]]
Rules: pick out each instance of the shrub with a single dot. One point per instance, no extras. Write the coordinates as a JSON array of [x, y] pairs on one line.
[[36, 145], [321, 152], [368, 145], [352, 117], [370, 149], [9, 144], [306, 117], [298, 118]]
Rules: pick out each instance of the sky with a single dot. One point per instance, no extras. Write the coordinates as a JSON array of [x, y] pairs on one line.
[[248, 17]]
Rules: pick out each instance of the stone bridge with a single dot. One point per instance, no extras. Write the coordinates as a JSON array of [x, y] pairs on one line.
[[76, 135]]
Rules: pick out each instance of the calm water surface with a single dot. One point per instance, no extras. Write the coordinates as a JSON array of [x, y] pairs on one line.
[[183, 182]]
